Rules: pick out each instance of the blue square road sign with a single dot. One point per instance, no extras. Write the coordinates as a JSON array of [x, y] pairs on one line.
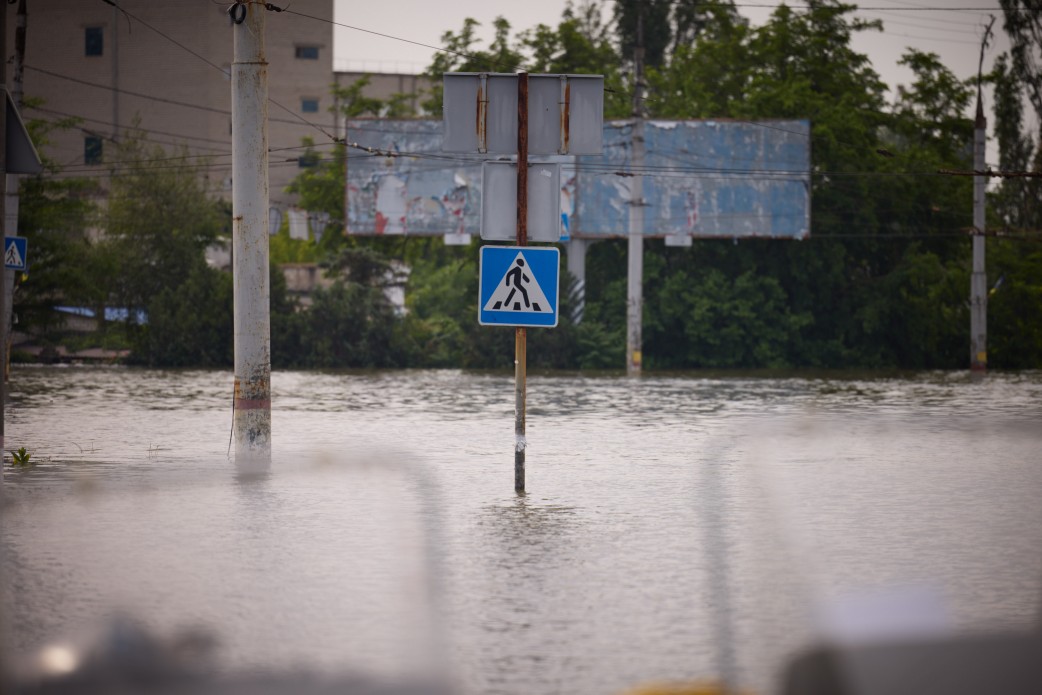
[[519, 286], [16, 249]]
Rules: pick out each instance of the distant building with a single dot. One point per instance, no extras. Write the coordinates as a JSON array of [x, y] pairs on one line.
[[89, 60]]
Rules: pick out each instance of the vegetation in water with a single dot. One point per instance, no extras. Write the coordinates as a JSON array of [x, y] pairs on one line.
[[21, 457]]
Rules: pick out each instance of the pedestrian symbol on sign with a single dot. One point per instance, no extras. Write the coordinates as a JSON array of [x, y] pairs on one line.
[[519, 286], [518, 292], [15, 248]]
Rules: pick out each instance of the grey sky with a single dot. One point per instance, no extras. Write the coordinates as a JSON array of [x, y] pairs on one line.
[[953, 34]]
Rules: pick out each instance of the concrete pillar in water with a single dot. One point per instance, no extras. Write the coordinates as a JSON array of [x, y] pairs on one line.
[[979, 277], [252, 411]]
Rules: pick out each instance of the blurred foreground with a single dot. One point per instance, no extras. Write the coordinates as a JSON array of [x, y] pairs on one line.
[[681, 535]]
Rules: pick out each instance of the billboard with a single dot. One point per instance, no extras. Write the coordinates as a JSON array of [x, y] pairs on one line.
[[701, 179]]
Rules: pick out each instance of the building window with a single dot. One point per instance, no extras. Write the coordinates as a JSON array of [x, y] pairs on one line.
[[308, 160], [307, 52], [94, 41], [309, 105], [92, 150]]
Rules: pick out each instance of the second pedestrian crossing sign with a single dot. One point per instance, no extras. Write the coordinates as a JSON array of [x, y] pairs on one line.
[[519, 286], [16, 250]]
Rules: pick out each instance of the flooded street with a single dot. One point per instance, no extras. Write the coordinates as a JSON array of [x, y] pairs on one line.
[[690, 527]]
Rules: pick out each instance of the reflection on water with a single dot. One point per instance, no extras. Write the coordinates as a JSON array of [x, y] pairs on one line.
[[688, 527]]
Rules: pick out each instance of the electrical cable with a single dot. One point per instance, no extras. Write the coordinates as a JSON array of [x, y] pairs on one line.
[[149, 97], [218, 67], [150, 131]]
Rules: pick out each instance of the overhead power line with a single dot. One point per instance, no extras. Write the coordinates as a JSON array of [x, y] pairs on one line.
[[149, 131], [152, 97], [993, 173]]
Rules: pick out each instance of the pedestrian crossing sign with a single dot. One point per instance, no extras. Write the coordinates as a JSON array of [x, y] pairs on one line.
[[519, 286], [15, 251]]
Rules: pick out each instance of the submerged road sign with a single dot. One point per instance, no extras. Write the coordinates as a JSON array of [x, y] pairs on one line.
[[15, 250], [519, 286]]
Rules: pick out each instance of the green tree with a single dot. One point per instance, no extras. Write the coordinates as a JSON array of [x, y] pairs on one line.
[[1023, 25], [647, 21], [55, 214], [461, 54], [159, 221], [191, 324], [352, 323], [854, 294], [1015, 304], [580, 44], [440, 299], [1017, 202], [320, 188], [351, 101], [708, 78]]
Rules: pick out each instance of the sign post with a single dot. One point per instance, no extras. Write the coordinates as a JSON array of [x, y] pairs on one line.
[[520, 337], [517, 286]]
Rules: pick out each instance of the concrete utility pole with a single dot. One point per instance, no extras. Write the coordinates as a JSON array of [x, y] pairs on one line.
[[635, 274], [252, 410], [3, 217], [11, 180], [979, 278], [18, 79]]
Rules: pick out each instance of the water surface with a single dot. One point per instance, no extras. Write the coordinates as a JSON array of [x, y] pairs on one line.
[[681, 527]]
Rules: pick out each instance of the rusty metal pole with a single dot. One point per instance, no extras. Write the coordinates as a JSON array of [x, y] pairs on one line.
[[520, 337], [251, 423]]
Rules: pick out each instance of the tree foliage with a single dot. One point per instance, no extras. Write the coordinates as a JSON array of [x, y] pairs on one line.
[[56, 215], [158, 221], [882, 282]]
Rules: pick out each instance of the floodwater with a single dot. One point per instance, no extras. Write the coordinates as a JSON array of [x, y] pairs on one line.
[[676, 528]]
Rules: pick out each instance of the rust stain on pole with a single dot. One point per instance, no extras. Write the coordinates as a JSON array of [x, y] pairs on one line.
[[253, 395], [566, 118], [481, 120]]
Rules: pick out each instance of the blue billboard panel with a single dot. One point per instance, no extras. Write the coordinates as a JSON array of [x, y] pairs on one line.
[[703, 179], [418, 190]]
